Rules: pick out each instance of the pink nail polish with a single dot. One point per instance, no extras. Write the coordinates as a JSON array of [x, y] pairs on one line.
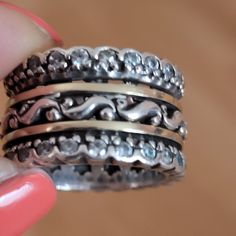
[[41, 23], [24, 199]]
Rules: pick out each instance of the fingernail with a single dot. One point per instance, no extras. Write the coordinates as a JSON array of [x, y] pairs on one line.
[[37, 20], [24, 199], [7, 169]]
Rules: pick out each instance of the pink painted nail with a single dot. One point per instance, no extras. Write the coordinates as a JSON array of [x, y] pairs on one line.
[[24, 199], [41, 23]]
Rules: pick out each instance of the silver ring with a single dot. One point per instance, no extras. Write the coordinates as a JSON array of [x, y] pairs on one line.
[[83, 160], [95, 134], [65, 106], [102, 64]]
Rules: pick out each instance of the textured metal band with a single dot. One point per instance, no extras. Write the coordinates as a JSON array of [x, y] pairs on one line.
[[138, 91], [97, 119], [102, 65], [82, 160], [86, 106], [98, 178], [119, 126]]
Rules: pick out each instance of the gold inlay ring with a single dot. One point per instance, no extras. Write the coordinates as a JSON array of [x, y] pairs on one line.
[[119, 126], [132, 90]]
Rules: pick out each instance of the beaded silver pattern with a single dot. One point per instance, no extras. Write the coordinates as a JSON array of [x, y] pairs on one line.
[[98, 65], [110, 154]]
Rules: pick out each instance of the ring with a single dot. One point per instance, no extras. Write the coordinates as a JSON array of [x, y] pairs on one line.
[[82, 160], [96, 119], [78, 105], [102, 65]]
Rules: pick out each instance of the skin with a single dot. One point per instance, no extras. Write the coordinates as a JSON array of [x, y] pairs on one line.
[[21, 191]]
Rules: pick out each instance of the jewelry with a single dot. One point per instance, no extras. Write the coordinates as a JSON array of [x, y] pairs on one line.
[[102, 64], [94, 159], [68, 105], [96, 119]]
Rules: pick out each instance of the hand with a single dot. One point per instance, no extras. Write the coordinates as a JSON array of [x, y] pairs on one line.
[[25, 196]]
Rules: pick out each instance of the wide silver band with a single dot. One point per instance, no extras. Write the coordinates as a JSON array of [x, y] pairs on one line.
[[96, 119], [102, 64], [87, 106]]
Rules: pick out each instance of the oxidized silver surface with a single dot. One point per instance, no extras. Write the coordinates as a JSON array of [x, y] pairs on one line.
[[102, 64], [127, 160], [96, 119], [62, 107]]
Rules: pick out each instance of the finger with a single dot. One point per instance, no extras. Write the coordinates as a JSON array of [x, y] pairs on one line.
[[22, 34], [7, 169], [24, 198]]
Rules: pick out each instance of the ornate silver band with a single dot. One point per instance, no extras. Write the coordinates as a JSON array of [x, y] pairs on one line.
[[83, 160], [96, 119], [101, 65], [86, 106]]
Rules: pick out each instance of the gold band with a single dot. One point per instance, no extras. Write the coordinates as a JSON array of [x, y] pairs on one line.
[[120, 126], [132, 90]]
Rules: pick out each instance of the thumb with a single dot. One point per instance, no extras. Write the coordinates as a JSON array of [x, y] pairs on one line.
[[22, 34]]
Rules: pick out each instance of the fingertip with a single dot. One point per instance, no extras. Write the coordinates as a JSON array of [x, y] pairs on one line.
[[22, 34], [7, 169], [24, 199], [37, 20]]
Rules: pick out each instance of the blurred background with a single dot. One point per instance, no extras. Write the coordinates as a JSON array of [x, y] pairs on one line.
[[200, 37]]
